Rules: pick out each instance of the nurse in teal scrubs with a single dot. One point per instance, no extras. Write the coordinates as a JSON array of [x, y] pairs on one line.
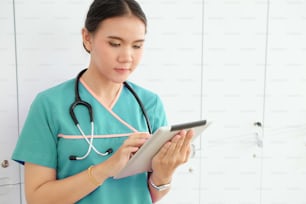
[[113, 35]]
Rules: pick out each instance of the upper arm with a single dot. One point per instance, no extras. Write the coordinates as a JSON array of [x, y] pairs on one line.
[[35, 176]]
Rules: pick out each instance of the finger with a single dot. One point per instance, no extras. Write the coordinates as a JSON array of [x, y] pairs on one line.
[[190, 133], [137, 139], [140, 136], [173, 145], [181, 144], [130, 150], [187, 155], [163, 151], [187, 140], [178, 141]]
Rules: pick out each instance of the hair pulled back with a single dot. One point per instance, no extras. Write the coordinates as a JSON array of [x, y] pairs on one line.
[[100, 10]]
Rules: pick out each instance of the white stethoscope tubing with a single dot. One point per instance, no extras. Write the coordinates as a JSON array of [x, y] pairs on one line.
[[90, 143], [79, 101]]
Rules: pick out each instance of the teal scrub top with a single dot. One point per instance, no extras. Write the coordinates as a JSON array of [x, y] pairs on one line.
[[49, 136]]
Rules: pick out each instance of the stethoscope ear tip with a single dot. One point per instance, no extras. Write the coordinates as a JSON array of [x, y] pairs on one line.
[[73, 157], [109, 151]]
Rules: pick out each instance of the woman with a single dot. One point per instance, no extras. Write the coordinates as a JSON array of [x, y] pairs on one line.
[[69, 159]]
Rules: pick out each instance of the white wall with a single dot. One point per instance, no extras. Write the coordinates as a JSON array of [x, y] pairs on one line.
[[232, 62], [9, 177]]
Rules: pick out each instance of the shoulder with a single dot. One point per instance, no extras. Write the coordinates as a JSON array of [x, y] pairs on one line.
[[58, 92], [153, 105], [149, 98], [142, 92]]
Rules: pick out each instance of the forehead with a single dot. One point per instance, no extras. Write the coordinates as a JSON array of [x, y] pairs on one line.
[[125, 27]]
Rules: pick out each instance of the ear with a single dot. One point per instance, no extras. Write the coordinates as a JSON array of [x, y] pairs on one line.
[[86, 40]]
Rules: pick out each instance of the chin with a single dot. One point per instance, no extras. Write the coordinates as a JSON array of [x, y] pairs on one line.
[[119, 81]]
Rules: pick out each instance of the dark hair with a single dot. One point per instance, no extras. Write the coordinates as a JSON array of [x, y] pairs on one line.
[[100, 10]]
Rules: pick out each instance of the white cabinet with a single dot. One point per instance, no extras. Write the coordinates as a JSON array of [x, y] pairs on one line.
[[233, 86], [172, 60], [49, 49], [172, 67], [284, 161], [10, 194], [9, 170], [49, 46]]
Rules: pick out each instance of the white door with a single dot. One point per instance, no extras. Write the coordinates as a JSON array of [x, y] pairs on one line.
[[172, 68], [9, 170], [49, 49], [234, 70], [10, 194], [284, 163]]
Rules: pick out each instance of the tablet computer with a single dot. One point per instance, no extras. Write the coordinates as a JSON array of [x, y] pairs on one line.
[[141, 160]]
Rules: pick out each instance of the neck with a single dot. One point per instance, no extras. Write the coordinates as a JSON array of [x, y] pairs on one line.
[[105, 89]]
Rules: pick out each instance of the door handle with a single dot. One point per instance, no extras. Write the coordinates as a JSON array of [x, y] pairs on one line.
[[258, 133], [5, 164], [257, 124]]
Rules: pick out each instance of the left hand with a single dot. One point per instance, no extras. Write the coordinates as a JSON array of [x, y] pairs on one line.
[[173, 153]]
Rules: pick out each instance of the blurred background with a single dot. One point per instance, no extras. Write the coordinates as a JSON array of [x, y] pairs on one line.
[[238, 63]]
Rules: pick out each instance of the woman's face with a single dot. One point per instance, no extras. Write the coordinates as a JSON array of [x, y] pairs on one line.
[[116, 47]]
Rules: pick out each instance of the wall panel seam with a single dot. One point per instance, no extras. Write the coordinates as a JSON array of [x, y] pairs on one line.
[[264, 97], [17, 91]]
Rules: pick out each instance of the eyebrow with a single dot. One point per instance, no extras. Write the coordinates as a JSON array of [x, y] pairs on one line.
[[118, 38]]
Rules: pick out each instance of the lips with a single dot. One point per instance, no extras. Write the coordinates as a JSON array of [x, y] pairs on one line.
[[122, 70]]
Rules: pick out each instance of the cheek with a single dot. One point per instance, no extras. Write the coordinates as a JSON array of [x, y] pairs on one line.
[[99, 49], [138, 56], [103, 54]]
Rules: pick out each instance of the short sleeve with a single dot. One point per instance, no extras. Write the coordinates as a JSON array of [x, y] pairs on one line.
[[37, 141]]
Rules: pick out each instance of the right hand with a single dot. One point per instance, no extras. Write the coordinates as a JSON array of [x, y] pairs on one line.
[[119, 159]]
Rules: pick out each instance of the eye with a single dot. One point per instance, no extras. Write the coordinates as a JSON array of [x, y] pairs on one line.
[[137, 46], [114, 44]]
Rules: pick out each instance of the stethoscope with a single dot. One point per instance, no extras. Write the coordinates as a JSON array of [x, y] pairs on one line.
[[79, 101]]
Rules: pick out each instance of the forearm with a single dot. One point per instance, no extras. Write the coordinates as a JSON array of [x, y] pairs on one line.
[[68, 190]]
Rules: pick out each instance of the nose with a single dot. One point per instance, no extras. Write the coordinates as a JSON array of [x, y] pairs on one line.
[[125, 55]]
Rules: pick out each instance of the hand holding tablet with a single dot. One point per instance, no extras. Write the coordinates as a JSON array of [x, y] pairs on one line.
[[141, 161]]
